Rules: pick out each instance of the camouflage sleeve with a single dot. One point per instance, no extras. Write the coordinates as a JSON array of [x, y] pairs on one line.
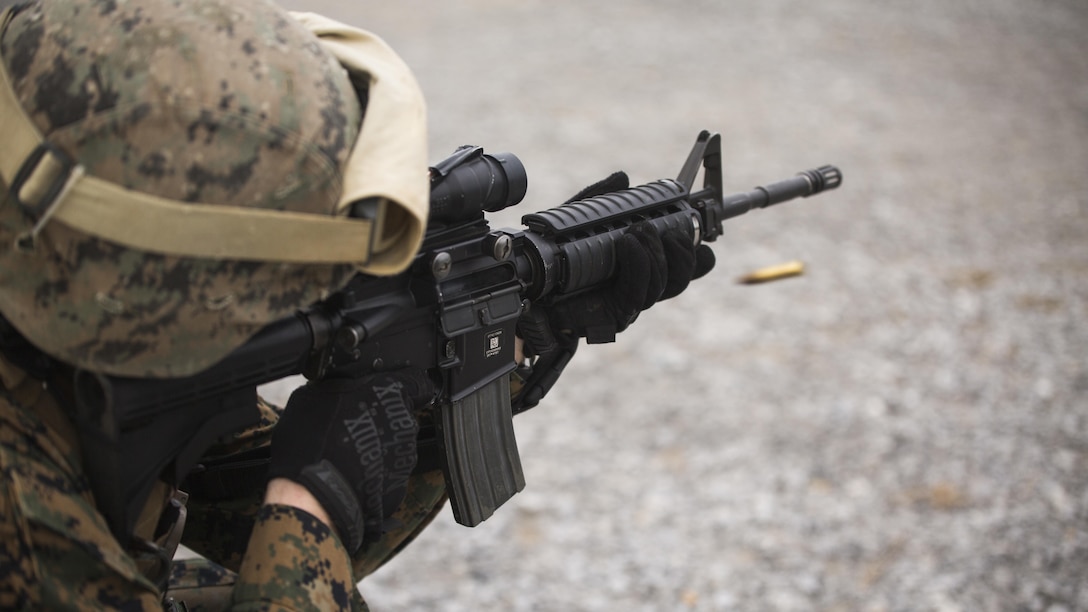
[[56, 551], [294, 562]]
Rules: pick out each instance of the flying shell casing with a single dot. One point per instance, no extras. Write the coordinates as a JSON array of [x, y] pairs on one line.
[[773, 273]]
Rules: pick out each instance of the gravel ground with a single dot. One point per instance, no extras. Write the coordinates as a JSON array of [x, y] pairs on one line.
[[903, 428]]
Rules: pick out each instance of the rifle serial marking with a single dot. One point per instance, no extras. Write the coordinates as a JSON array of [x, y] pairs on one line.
[[494, 343]]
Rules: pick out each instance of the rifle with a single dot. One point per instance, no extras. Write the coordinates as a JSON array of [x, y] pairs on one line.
[[454, 313]]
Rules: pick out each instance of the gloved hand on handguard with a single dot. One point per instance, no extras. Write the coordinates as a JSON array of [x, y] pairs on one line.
[[650, 268]]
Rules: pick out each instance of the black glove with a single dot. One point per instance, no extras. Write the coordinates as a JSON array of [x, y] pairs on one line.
[[650, 268], [352, 444]]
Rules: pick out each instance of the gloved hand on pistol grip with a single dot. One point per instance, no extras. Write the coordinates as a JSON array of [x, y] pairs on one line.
[[650, 268], [352, 444]]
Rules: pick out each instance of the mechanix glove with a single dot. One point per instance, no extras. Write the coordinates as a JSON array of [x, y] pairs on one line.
[[650, 268], [352, 444]]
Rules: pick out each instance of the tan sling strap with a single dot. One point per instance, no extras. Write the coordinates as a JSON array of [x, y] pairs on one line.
[[388, 162]]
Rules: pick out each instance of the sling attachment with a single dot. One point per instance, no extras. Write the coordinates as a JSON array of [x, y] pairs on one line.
[[167, 538]]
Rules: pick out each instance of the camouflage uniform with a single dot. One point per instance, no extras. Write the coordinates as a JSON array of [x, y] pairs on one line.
[[141, 115], [57, 551]]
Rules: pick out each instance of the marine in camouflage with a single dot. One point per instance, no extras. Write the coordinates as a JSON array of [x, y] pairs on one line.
[[212, 102], [123, 88]]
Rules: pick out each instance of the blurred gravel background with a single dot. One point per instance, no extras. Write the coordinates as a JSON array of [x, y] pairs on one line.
[[903, 428]]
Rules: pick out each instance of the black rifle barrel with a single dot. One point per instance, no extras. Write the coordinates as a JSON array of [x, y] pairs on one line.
[[805, 184]]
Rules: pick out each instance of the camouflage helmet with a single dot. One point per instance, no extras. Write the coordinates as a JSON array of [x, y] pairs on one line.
[[205, 102]]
